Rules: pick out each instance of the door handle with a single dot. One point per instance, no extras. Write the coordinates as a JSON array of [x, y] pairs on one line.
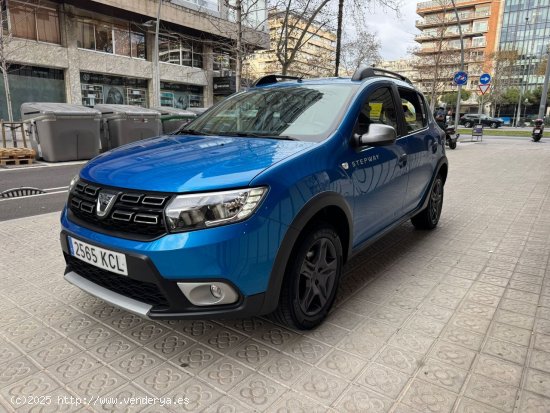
[[402, 160]]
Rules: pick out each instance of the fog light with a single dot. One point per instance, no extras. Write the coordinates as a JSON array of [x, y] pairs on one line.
[[216, 291]]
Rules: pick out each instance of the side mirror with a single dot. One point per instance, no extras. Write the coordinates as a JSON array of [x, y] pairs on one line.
[[378, 135]]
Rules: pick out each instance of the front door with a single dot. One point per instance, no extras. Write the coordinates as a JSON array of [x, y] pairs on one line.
[[379, 173]]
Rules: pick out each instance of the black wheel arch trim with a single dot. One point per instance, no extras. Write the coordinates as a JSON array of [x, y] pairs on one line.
[[302, 219], [426, 198]]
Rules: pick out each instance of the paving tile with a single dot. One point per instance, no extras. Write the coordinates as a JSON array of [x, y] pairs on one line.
[[275, 336], [135, 363], [383, 380], [15, 370], [412, 340], [515, 319], [196, 358], [92, 336], [471, 323], [120, 400], [510, 333], [533, 403], [161, 379], [358, 399], [462, 337], [491, 392], [252, 353], [258, 391], [542, 342], [54, 352], [8, 352], [442, 374], [320, 386], [542, 326], [97, 383], [456, 355], [426, 397], [196, 329], [170, 344], [74, 367], [37, 384], [499, 370], [467, 405], [146, 332], [521, 307], [477, 310], [196, 396], [538, 382], [405, 361], [284, 369], [427, 326], [292, 401], [224, 374], [227, 404]]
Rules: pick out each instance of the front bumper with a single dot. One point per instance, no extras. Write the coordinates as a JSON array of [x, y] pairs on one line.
[[146, 293]]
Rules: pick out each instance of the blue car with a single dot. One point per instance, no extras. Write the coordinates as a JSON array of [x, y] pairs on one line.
[[255, 206]]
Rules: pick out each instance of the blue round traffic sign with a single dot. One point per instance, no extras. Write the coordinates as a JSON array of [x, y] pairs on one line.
[[485, 79], [461, 78]]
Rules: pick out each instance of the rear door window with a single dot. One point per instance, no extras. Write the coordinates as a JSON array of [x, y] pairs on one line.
[[379, 107], [413, 110]]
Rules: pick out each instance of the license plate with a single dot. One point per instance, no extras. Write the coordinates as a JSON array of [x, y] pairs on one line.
[[100, 257]]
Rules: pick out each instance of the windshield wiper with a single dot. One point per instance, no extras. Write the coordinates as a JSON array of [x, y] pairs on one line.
[[257, 135], [192, 132]]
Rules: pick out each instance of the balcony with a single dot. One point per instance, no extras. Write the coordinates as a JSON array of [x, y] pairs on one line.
[[441, 21], [440, 4]]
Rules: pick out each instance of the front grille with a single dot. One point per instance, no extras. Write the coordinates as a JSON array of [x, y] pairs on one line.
[[133, 213], [138, 290]]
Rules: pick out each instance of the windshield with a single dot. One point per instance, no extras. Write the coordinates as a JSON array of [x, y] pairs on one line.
[[303, 112]]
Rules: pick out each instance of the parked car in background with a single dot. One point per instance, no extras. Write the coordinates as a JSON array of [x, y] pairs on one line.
[[255, 206], [472, 119]]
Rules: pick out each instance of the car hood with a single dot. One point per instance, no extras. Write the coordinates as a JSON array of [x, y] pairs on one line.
[[188, 163]]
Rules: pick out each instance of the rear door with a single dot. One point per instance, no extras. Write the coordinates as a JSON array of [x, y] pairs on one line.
[[421, 143]]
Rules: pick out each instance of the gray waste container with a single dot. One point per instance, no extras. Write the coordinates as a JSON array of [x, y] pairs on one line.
[[173, 119], [124, 124], [63, 132]]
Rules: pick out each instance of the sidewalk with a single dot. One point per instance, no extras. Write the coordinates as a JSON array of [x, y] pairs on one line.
[[454, 320]]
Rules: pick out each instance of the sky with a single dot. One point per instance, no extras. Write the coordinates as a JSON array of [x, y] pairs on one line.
[[396, 34]]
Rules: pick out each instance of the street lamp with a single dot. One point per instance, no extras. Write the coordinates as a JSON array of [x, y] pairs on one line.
[[518, 114], [458, 97]]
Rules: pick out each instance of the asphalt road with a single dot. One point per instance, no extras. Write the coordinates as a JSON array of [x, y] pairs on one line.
[[53, 179]]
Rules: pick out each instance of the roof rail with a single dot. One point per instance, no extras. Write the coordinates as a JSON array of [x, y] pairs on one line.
[[269, 79], [364, 72]]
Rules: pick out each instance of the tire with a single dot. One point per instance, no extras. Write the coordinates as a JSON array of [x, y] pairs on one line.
[[452, 144], [536, 138], [311, 279], [494, 125], [468, 124], [429, 217]]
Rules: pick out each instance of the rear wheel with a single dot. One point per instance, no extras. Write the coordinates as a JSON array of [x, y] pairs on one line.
[[429, 217], [468, 124], [452, 144], [311, 281], [494, 125]]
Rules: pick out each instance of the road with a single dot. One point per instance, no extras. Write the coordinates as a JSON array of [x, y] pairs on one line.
[[54, 179]]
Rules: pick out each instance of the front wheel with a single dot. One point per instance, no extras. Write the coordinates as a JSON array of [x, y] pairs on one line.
[[429, 216], [536, 138], [311, 281], [494, 125], [468, 124], [452, 144]]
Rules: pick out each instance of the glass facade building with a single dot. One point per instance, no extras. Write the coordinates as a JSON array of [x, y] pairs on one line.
[[526, 29]]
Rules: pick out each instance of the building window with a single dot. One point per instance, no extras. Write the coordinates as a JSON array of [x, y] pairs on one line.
[[479, 41], [481, 26], [180, 52], [223, 65], [34, 21], [203, 4], [109, 38]]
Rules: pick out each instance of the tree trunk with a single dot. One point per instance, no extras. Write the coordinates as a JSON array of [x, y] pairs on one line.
[[239, 52], [7, 89], [339, 36]]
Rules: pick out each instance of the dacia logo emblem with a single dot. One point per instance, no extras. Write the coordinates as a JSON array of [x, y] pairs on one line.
[[105, 202]]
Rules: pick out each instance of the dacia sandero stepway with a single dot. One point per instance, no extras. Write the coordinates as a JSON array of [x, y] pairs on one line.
[[255, 206]]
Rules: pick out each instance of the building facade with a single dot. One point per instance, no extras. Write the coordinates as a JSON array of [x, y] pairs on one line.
[[437, 57], [314, 59], [404, 67], [526, 30], [101, 51]]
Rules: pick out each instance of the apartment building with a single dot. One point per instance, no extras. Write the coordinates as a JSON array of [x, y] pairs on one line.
[[101, 51], [404, 67], [437, 57], [314, 59]]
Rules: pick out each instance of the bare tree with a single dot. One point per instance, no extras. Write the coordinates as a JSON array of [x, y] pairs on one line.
[[438, 57], [503, 63], [298, 22]]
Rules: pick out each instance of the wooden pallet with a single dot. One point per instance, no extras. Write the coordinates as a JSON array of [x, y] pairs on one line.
[[16, 161], [16, 156]]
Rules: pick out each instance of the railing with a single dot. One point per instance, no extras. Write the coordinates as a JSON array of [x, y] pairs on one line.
[[439, 3]]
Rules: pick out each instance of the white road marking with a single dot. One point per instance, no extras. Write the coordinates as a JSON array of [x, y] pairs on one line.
[[30, 196]]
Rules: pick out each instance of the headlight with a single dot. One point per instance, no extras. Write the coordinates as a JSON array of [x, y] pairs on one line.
[[196, 211], [73, 183]]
